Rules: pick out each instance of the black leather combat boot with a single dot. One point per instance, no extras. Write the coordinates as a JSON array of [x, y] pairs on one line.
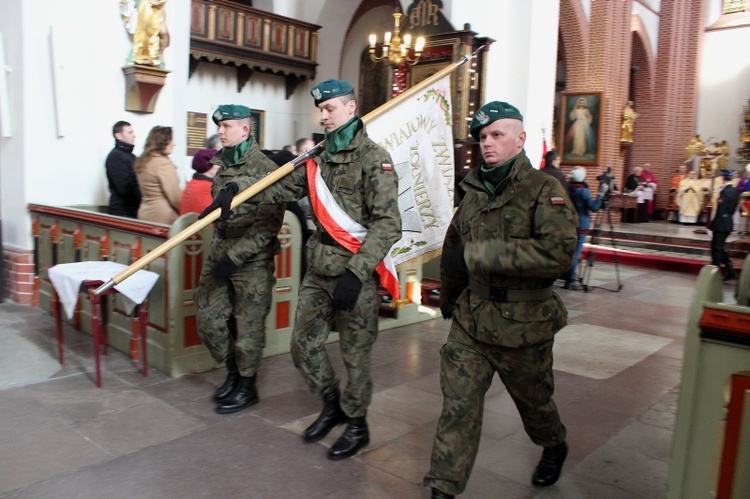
[[232, 376], [354, 438], [439, 494], [330, 417], [243, 395], [548, 470]]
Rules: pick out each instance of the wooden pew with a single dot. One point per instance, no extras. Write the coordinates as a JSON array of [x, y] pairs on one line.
[[710, 453]]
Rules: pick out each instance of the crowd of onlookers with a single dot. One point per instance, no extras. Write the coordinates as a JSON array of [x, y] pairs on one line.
[[148, 188], [718, 201]]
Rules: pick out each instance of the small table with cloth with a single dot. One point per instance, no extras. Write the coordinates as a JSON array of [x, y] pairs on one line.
[[69, 279]]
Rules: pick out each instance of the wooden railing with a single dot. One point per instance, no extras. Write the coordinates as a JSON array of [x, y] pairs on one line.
[[85, 233]]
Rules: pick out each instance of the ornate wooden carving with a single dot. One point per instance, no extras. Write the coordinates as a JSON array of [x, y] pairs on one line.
[[225, 32]]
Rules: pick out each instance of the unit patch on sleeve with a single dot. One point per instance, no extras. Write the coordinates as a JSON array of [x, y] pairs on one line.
[[557, 200]]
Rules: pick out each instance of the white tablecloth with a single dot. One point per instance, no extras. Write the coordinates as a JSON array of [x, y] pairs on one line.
[[68, 277]]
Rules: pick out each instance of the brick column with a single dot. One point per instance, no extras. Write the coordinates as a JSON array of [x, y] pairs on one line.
[[668, 121], [18, 266], [597, 59]]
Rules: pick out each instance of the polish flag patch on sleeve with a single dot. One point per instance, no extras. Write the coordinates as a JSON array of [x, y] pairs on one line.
[[387, 167], [557, 200]]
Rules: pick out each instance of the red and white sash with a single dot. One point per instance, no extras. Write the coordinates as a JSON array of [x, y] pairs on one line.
[[342, 228]]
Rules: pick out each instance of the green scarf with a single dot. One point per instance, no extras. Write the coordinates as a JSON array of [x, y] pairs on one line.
[[493, 176], [233, 155], [338, 139]]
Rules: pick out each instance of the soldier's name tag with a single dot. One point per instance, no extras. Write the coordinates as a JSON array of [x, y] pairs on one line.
[[557, 200], [387, 167]]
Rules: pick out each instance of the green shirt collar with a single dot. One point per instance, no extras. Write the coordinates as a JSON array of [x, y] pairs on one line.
[[233, 155], [492, 176], [338, 139]]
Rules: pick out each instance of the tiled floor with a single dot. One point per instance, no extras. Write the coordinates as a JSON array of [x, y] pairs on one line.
[[617, 374]]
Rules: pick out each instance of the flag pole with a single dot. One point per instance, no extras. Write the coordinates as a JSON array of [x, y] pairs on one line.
[[274, 177]]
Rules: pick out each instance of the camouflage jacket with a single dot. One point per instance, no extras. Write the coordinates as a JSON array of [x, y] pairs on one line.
[[521, 238], [364, 184], [253, 228]]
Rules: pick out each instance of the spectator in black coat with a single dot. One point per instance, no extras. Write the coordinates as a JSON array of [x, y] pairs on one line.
[[552, 167], [723, 223], [124, 194]]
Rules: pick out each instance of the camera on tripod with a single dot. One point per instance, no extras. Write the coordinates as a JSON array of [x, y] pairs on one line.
[[606, 186]]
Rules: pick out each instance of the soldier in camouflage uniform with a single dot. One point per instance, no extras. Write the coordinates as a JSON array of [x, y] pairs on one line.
[[234, 291], [341, 287], [512, 235]]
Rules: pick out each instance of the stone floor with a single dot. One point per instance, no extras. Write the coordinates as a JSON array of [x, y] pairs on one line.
[[618, 368]]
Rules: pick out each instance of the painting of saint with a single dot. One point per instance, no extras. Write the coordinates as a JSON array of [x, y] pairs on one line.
[[581, 128]]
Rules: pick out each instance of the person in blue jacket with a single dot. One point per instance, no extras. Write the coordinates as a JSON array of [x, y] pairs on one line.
[[584, 205]]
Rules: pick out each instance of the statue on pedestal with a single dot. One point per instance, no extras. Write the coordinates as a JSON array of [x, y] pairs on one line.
[[696, 147], [146, 22], [722, 151], [628, 123]]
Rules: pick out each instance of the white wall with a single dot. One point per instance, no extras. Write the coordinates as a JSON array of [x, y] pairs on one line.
[[12, 174], [214, 84], [587, 8], [521, 63], [377, 21], [651, 23], [724, 87], [653, 4]]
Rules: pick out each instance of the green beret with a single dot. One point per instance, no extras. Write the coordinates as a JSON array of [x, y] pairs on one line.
[[492, 111], [230, 112], [330, 89]]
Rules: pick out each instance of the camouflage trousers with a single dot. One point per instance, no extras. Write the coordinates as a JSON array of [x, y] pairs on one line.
[[357, 332], [466, 372], [247, 297]]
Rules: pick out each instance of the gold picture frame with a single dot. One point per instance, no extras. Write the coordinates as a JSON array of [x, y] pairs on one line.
[[581, 115]]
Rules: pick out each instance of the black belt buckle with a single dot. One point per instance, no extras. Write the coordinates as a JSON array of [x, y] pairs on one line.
[[499, 294]]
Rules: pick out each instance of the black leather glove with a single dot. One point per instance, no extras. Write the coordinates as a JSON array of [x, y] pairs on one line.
[[452, 261], [222, 200], [223, 268], [446, 311], [346, 292]]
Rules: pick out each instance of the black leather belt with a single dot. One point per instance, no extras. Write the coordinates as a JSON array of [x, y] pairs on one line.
[[510, 295], [327, 239], [231, 232]]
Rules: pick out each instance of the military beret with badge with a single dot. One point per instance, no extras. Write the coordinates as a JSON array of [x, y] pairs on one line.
[[329, 89], [230, 112], [492, 111]]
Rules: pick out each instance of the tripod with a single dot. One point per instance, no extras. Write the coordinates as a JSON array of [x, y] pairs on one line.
[[594, 242]]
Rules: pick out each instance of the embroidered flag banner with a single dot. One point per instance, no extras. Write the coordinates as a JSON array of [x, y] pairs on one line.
[[418, 135]]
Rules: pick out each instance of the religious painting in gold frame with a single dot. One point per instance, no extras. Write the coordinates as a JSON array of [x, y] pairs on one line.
[[581, 131]]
